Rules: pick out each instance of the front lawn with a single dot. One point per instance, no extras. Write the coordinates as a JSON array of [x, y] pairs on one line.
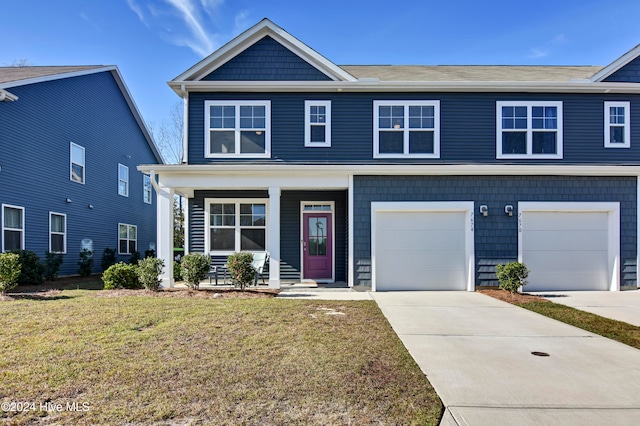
[[172, 360]]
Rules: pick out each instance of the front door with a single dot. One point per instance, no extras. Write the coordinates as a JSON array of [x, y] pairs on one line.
[[317, 246]]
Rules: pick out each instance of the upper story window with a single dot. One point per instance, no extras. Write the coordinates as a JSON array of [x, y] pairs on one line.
[[12, 227], [406, 129], [76, 163], [127, 238], [146, 188], [238, 129], [317, 123], [529, 130], [57, 232], [617, 131], [123, 180]]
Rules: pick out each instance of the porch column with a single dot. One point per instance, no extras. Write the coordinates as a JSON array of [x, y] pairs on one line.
[[274, 237], [165, 233]]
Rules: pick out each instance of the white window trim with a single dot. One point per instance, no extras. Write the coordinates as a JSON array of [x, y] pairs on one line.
[[237, 202], [627, 125], [71, 163], [64, 234], [529, 155], [126, 181], [128, 239], [24, 225], [237, 105], [307, 124], [147, 189], [406, 105]]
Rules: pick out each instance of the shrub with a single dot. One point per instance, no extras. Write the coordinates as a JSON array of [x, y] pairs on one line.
[[135, 258], [85, 263], [108, 258], [9, 271], [241, 269], [512, 276], [121, 275], [177, 271], [149, 253], [52, 265], [194, 268], [149, 269], [31, 270]]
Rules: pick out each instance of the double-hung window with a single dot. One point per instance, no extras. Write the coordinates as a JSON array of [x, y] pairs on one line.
[[317, 123], [529, 130], [12, 227], [238, 129], [123, 180], [146, 188], [617, 130], [406, 129], [57, 232], [127, 238], [237, 226], [76, 166]]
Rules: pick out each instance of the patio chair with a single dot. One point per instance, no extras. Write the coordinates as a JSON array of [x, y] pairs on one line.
[[215, 269], [259, 260]]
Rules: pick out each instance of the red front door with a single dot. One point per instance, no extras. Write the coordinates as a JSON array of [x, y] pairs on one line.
[[317, 246]]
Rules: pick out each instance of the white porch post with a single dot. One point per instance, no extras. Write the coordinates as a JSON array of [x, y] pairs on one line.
[[165, 233], [274, 237]]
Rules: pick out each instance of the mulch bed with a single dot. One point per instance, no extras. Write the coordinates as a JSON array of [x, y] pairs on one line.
[[516, 298]]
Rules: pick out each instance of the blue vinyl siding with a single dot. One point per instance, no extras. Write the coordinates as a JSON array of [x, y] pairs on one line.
[[630, 73], [468, 128], [267, 60], [90, 111], [496, 236]]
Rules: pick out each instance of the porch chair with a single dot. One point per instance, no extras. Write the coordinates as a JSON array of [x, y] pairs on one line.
[[215, 268], [259, 260]]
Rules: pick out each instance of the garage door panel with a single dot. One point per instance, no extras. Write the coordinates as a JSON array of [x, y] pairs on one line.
[[422, 239], [433, 260], [418, 220], [567, 240], [566, 281], [421, 280], [553, 260], [565, 221]]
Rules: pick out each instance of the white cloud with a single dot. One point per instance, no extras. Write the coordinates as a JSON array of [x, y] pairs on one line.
[[135, 7], [535, 53]]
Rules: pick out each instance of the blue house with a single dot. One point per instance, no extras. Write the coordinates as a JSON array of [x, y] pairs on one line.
[[408, 177], [70, 143]]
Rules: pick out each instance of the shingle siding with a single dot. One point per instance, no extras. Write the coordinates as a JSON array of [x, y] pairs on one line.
[[630, 73]]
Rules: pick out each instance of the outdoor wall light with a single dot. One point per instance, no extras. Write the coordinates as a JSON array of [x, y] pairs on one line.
[[68, 200], [484, 210], [90, 206], [508, 209]]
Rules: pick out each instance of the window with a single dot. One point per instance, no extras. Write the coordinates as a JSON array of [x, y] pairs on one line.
[[127, 238], [317, 123], [12, 228], [146, 188], [529, 130], [406, 129], [237, 226], [238, 129], [57, 232], [617, 131], [123, 180], [77, 163]]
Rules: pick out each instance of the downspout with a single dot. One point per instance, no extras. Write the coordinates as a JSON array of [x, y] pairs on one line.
[[152, 176]]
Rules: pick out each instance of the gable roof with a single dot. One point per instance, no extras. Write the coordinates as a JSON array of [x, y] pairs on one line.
[[20, 76], [616, 65]]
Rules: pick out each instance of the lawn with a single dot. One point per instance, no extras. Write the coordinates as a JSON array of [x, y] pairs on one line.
[[139, 358]]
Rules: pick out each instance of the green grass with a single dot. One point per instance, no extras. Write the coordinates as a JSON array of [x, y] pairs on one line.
[[168, 360]]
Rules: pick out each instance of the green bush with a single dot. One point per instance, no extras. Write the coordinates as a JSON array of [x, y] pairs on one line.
[[135, 258], [241, 269], [177, 271], [31, 270], [85, 264], [9, 271], [512, 276], [108, 258], [149, 269], [121, 275], [194, 268], [52, 265]]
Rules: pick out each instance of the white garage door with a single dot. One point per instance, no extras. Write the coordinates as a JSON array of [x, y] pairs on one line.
[[565, 250], [420, 251]]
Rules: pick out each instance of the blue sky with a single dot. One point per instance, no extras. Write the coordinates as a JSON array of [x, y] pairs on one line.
[[153, 41]]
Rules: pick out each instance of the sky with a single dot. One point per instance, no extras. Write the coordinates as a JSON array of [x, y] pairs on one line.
[[153, 41]]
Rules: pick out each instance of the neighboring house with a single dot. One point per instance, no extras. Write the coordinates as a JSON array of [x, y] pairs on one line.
[[408, 177], [70, 142]]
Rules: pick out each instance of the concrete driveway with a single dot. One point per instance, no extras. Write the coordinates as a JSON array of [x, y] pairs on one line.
[[477, 353], [618, 305]]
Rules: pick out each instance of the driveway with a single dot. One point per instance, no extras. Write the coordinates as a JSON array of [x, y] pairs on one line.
[[617, 305], [477, 353]]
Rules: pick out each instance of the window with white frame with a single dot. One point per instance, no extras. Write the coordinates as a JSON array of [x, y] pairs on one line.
[[238, 129], [317, 123], [237, 225], [123, 180], [127, 238], [617, 129], [146, 188], [76, 166], [12, 227], [57, 232], [529, 129], [406, 129]]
